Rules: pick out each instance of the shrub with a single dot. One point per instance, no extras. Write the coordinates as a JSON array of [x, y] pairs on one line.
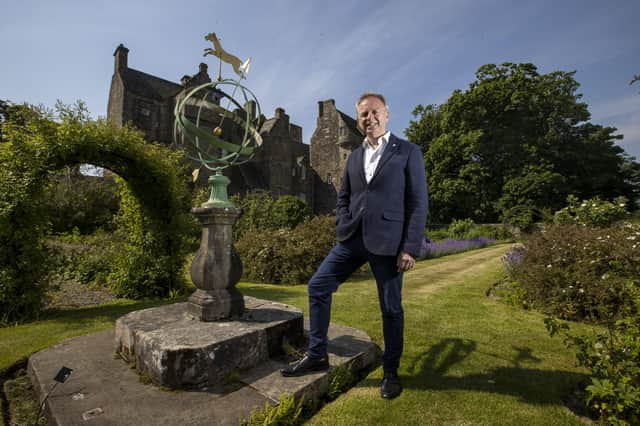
[[288, 211], [459, 228], [150, 260], [592, 212], [576, 272], [260, 211], [467, 230], [437, 234], [613, 358], [286, 256], [83, 202], [493, 231], [86, 259]]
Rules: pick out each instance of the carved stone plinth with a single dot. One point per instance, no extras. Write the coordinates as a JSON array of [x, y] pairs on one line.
[[216, 268], [177, 350]]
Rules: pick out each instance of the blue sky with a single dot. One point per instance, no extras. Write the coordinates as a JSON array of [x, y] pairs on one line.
[[415, 51]]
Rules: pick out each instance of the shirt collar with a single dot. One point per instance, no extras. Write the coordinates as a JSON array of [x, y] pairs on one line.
[[382, 141]]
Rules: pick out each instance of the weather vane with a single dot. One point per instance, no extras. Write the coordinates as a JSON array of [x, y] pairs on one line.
[[240, 68], [216, 136]]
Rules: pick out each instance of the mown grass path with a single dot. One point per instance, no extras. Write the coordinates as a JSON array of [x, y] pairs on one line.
[[468, 360]]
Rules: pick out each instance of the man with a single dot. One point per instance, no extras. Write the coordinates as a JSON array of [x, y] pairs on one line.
[[380, 218]]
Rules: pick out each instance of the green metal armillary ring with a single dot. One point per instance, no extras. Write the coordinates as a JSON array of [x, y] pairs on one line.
[[215, 136]]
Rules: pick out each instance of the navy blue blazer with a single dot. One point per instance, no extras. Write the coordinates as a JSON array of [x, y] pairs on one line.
[[392, 208]]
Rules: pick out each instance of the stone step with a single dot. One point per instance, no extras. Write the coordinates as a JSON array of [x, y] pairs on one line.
[[179, 351]]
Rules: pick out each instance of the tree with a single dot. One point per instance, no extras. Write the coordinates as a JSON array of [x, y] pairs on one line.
[[517, 138]]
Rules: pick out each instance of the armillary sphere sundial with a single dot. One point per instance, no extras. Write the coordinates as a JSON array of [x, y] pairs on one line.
[[211, 132], [216, 123]]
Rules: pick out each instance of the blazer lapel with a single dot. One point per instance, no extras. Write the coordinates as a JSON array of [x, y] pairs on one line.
[[359, 163], [389, 151]]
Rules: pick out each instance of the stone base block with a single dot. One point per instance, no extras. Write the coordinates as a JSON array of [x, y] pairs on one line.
[[208, 305], [177, 350]]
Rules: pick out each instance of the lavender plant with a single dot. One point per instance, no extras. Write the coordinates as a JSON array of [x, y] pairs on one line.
[[431, 250]]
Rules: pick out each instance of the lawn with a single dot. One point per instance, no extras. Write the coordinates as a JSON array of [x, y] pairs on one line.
[[468, 359]]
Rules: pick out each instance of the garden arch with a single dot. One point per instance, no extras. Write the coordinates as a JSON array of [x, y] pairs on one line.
[[156, 200]]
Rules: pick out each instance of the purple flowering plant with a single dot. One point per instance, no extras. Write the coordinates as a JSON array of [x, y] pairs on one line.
[[431, 249]]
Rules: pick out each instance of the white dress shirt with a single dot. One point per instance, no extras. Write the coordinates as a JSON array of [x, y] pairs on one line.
[[372, 155]]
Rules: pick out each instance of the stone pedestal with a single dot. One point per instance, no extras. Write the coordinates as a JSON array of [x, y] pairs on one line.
[[177, 350], [216, 268]]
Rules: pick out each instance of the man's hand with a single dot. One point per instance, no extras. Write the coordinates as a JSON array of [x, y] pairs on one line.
[[405, 261]]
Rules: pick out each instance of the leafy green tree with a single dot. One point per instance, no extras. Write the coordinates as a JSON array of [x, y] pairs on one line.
[[517, 138]]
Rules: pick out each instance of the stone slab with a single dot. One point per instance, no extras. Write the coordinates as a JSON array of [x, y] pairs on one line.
[[104, 390], [177, 350]]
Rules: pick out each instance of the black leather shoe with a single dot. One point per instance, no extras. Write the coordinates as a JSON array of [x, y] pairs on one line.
[[305, 366], [391, 386]]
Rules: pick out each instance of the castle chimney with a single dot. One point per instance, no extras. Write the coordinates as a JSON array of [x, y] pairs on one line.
[[203, 68], [284, 118], [321, 105], [251, 109], [120, 56]]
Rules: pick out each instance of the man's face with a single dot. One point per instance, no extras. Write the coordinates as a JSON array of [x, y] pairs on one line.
[[372, 117]]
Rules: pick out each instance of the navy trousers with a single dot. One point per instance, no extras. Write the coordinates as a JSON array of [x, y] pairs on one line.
[[343, 259]]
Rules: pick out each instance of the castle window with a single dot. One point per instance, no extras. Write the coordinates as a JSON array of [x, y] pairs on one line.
[[303, 172], [343, 131], [344, 156], [329, 179], [293, 171]]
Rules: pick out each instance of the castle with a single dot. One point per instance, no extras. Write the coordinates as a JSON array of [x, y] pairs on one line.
[[283, 166]]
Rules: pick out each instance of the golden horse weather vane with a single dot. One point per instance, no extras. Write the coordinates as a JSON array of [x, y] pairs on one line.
[[240, 68]]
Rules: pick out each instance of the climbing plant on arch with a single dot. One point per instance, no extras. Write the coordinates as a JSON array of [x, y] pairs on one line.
[[154, 206]]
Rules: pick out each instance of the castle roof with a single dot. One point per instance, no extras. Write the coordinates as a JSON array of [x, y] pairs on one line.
[[268, 124], [351, 123], [149, 86]]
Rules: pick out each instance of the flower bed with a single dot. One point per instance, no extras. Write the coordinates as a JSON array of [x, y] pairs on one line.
[[430, 250]]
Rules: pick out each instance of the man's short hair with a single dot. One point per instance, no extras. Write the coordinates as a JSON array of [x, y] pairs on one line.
[[372, 95]]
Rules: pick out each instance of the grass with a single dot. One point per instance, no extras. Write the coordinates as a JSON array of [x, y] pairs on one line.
[[24, 407], [468, 359], [20, 341]]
